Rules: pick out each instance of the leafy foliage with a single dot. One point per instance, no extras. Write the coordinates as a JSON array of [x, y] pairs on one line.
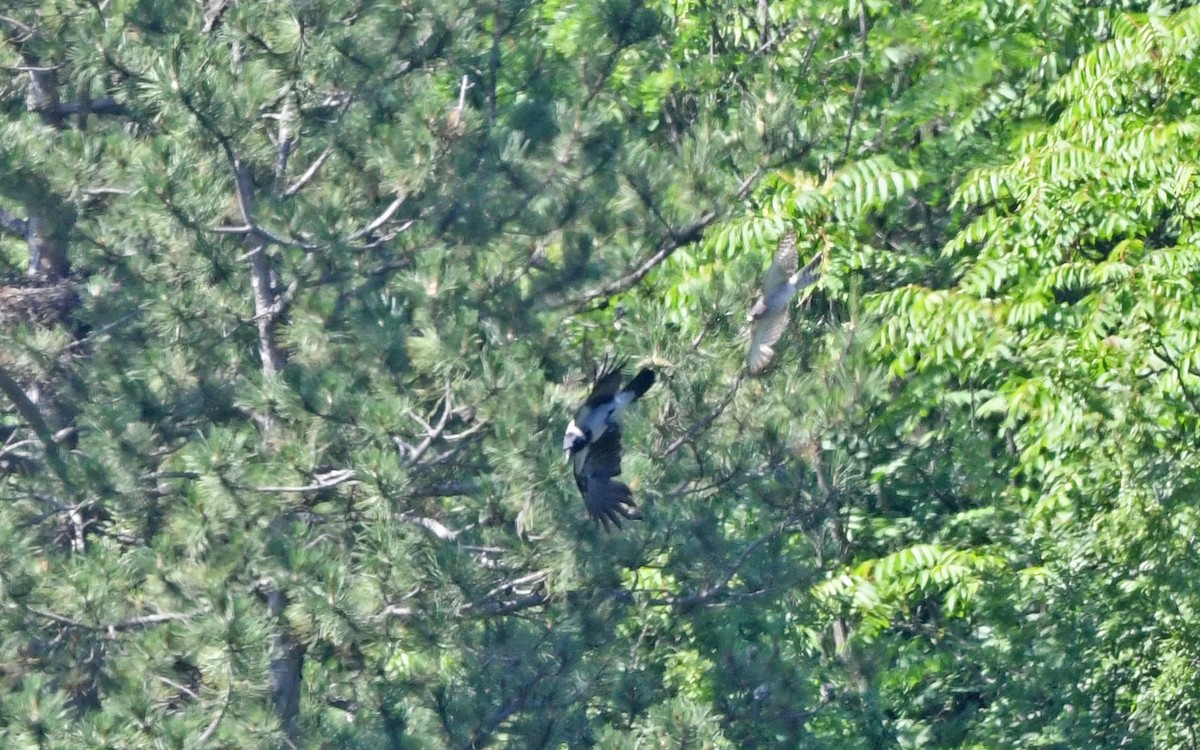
[[297, 298]]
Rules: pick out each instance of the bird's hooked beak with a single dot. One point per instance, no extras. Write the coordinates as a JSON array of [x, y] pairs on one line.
[[572, 440]]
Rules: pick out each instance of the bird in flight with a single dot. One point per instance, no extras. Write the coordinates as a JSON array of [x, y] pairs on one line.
[[593, 445], [769, 316]]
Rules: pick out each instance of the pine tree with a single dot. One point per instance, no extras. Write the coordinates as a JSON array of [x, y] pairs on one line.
[[298, 298]]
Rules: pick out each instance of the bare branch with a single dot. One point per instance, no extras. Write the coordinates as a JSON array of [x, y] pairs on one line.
[[103, 106], [708, 420], [536, 599], [287, 142], [462, 92], [676, 239], [257, 232], [433, 527], [447, 489], [111, 629], [16, 26], [98, 191], [533, 578], [33, 417], [309, 173], [216, 721], [242, 229], [397, 611], [456, 114], [454, 437], [180, 687], [324, 482], [244, 182], [155, 475], [431, 432], [213, 14], [858, 88], [382, 218]]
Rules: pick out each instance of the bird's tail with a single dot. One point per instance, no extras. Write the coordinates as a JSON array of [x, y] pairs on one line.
[[641, 383]]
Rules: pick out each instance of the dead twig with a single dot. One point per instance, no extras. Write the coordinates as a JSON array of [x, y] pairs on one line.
[[323, 482]]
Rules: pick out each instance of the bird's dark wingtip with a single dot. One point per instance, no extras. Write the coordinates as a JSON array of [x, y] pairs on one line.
[[617, 508], [641, 382]]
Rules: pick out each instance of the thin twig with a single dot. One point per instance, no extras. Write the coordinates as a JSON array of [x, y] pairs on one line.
[[858, 88], [133, 624], [687, 235], [309, 173], [431, 432], [212, 725], [33, 417], [383, 218], [436, 528], [324, 482], [533, 578], [447, 489], [92, 336], [707, 421], [677, 239]]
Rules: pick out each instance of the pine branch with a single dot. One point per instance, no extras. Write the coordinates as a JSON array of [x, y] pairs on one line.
[[17, 31], [432, 432], [446, 489], [383, 218], [308, 175], [324, 482], [244, 184], [482, 735], [106, 105], [675, 239], [436, 528], [33, 417], [719, 595], [217, 718], [707, 421], [135, 623], [498, 609]]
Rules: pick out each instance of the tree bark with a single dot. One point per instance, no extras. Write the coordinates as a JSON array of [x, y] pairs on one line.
[[287, 665], [268, 306]]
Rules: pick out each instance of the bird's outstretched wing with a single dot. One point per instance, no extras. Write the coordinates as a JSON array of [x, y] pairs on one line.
[[810, 274], [768, 329], [608, 501], [608, 382], [769, 315], [783, 265]]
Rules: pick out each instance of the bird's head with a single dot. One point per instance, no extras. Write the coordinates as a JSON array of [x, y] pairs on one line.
[[574, 440]]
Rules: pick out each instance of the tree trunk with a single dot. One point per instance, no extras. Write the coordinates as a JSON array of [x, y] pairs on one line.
[[287, 667]]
